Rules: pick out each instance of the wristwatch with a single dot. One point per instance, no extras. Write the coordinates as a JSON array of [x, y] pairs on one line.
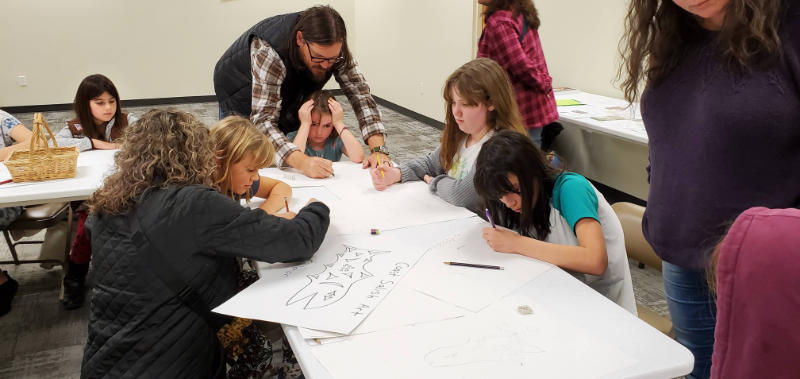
[[379, 149]]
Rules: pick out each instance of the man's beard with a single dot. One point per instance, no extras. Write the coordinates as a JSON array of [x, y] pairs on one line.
[[320, 76]]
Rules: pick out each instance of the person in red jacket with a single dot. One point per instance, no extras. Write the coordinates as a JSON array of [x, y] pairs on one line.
[[511, 38]]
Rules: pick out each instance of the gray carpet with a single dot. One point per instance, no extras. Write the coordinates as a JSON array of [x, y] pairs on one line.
[[42, 340]]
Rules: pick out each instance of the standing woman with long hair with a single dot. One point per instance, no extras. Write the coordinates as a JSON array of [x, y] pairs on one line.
[[511, 38], [721, 106]]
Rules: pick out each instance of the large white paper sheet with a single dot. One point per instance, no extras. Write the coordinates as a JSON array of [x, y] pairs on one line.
[[499, 342], [334, 291], [403, 306], [468, 287], [356, 207]]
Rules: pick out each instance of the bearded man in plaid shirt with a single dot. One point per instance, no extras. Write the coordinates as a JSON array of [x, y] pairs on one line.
[[271, 69]]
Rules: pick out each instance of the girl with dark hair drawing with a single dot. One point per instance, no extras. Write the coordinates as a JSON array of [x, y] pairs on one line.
[[557, 217]]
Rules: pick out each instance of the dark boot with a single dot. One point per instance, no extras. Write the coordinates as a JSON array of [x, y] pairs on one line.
[[74, 285], [7, 292]]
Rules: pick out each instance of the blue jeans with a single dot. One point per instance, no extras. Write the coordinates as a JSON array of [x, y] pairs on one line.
[[694, 314], [221, 115], [536, 136]]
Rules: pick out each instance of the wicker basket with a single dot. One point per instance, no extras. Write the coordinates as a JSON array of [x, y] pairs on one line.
[[42, 162]]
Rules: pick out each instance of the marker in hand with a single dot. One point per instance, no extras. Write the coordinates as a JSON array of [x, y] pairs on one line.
[[489, 217]]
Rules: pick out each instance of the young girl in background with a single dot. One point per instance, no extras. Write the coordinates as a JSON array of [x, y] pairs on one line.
[[241, 150], [99, 120], [99, 123], [322, 130], [557, 217], [479, 101]]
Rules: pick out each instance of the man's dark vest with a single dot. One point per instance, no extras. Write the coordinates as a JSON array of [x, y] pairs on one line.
[[233, 80]]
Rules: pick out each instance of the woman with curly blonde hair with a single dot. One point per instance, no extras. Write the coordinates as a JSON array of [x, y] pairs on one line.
[[721, 106], [164, 241], [240, 151]]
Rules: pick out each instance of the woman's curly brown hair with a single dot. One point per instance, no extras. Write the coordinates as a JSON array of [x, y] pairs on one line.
[[658, 31], [163, 147]]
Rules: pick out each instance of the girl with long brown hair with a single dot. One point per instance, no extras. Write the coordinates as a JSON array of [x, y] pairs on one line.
[[721, 106], [479, 100], [164, 242]]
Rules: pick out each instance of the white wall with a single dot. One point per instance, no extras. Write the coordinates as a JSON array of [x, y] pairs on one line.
[[408, 48], [149, 48], [580, 40], [153, 49]]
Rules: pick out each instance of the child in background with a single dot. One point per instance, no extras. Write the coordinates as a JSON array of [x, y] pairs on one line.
[[556, 217], [99, 123], [479, 101], [241, 150], [322, 131]]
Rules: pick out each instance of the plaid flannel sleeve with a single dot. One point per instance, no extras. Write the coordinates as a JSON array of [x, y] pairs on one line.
[[268, 73], [501, 43], [356, 89]]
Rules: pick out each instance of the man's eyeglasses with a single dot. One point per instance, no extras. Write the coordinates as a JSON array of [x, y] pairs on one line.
[[322, 59]]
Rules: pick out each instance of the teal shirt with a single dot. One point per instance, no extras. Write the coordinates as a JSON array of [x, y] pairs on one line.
[[575, 198], [332, 150]]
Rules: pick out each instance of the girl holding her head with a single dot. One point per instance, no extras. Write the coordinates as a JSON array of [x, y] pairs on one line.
[[556, 217], [240, 151], [99, 120], [322, 130], [479, 101], [161, 204]]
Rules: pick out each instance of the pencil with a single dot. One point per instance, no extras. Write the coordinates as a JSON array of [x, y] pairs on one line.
[[473, 265], [379, 163], [286, 201], [5, 181]]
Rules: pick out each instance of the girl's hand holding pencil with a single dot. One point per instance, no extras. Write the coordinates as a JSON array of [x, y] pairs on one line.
[[384, 176]]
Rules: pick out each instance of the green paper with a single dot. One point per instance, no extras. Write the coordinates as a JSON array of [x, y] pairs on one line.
[[567, 102]]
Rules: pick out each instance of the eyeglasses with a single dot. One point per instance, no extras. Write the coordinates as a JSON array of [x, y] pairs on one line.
[[322, 59]]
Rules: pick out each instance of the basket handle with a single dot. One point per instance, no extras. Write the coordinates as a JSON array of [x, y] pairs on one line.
[[39, 137]]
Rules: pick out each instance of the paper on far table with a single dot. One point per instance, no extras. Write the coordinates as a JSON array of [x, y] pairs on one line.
[[499, 342], [334, 291], [403, 306], [468, 287]]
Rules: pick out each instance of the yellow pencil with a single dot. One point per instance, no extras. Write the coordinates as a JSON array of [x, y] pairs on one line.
[[379, 163]]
